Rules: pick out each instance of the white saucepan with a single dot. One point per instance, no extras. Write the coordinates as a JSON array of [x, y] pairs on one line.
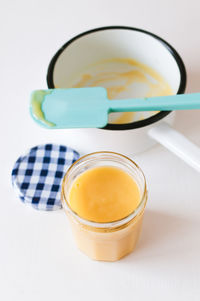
[[106, 43]]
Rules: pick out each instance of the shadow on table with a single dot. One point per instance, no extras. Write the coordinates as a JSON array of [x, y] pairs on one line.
[[159, 228], [166, 240], [162, 235]]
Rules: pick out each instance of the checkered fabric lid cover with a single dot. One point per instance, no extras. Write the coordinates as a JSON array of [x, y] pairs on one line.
[[37, 176]]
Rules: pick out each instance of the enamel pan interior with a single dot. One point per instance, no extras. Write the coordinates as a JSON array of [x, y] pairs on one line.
[[156, 52]]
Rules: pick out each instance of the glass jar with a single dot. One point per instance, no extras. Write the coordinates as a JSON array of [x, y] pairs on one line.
[[105, 241]]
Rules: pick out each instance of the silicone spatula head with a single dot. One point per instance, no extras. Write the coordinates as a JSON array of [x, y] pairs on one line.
[[89, 107], [70, 108]]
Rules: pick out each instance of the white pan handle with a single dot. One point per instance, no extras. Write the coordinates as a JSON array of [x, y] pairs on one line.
[[176, 143]]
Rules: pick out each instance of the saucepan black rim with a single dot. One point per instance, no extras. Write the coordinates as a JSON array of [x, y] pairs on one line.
[[135, 124]]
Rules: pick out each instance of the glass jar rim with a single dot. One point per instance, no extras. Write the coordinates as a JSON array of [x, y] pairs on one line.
[[112, 224]]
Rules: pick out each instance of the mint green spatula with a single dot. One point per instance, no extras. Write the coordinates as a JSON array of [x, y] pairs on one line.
[[89, 107]]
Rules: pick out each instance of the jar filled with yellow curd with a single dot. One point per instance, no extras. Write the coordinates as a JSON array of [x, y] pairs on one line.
[[104, 195]]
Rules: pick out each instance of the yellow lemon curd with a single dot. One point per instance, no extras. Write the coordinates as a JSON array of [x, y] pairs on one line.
[[104, 194]]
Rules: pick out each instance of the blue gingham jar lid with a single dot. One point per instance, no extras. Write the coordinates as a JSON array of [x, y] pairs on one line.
[[37, 176]]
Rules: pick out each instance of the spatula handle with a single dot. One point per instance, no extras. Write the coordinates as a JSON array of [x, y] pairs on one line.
[[164, 103]]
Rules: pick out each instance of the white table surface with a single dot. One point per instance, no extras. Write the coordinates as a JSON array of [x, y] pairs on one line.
[[38, 257]]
